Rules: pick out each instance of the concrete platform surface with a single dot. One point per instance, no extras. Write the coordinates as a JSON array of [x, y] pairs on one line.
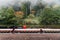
[[30, 36]]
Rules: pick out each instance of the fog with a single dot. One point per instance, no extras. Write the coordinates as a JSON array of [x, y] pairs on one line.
[[11, 2]]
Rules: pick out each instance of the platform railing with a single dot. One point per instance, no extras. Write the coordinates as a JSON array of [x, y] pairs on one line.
[[30, 31]]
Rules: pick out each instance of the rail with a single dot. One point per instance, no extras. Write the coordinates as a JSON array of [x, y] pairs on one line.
[[30, 31]]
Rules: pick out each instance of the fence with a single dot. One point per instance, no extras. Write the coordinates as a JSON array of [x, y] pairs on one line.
[[30, 31]]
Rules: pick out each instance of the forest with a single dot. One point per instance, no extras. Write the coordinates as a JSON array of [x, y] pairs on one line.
[[32, 15]]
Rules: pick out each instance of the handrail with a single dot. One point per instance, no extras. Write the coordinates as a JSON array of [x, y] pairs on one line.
[[30, 30]]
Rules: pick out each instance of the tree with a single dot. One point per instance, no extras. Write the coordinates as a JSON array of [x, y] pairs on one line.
[[8, 17], [50, 17], [31, 20], [39, 7], [26, 8]]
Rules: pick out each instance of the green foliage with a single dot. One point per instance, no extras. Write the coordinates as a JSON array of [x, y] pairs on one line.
[[50, 17], [39, 16], [26, 8], [7, 16], [31, 20], [38, 8]]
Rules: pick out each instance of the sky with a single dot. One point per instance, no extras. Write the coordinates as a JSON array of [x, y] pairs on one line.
[[52, 1], [7, 2]]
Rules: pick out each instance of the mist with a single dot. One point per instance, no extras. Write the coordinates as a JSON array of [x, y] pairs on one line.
[[11, 2]]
